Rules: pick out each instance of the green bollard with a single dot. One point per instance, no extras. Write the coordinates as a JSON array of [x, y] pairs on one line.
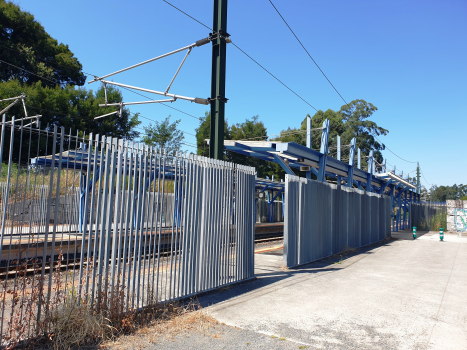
[[414, 232], [441, 233]]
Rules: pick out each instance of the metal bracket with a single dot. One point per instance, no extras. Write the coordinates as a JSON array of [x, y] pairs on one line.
[[223, 99]]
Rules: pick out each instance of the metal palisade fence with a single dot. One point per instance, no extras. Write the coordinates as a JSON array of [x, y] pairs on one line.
[[100, 220], [323, 219]]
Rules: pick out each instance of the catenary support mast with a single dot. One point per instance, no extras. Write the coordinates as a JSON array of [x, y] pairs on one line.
[[218, 100]]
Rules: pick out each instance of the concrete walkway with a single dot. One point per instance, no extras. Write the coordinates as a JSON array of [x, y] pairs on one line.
[[405, 294]]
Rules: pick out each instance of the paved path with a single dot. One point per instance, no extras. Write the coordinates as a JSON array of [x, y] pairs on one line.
[[405, 294]]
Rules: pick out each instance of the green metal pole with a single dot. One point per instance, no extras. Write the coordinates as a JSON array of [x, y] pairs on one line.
[[216, 145]]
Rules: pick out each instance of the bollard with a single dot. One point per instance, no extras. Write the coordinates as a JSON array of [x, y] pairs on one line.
[[414, 232], [441, 233]]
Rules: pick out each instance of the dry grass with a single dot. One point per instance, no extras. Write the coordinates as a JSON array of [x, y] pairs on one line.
[[77, 324], [174, 319]]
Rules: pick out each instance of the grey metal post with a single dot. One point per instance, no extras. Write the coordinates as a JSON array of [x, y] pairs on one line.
[[339, 180], [57, 194], [308, 141], [353, 144], [323, 151], [359, 159]]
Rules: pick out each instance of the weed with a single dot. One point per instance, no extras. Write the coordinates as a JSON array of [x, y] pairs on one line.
[[282, 338]]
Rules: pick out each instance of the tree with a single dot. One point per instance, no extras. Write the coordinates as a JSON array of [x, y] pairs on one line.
[[24, 43], [355, 116], [71, 108], [250, 130], [164, 135], [443, 193], [203, 133], [349, 122]]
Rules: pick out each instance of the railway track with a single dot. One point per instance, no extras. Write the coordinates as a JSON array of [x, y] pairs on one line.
[[264, 232]]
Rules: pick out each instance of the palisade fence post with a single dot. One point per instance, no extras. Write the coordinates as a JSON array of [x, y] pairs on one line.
[[2, 139], [85, 232], [100, 144], [5, 200], [57, 201], [47, 221], [103, 253], [7, 190], [90, 257]]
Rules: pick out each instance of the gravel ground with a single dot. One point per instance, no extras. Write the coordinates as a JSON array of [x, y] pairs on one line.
[[216, 337]]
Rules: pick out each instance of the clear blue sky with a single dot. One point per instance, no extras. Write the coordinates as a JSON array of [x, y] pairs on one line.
[[408, 58]]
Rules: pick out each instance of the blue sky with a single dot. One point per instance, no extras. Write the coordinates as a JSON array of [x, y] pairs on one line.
[[408, 58]]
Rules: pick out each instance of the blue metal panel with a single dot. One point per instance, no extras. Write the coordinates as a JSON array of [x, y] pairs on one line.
[[323, 151], [284, 166], [369, 187], [353, 144]]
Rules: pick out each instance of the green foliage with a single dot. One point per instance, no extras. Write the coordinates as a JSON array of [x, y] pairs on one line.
[[164, 135], [25, 44], [203, 133], [250, 130], [443, 193], [355, 116], [349, 122], [71, 108]]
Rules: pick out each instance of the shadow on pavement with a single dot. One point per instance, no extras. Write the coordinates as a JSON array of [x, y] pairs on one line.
[[330, 264], [407, 235]]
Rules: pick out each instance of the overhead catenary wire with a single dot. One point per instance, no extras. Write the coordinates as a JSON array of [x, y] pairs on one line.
[[283, 133], [186, 14], [423, 175], [66, 115], [272, 75], [37, 75], [93, 75], [58, 113], [386, 147], [251, 58], [275, 8]]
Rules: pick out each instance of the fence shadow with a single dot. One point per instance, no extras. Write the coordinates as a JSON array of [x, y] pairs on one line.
[[331, 264]]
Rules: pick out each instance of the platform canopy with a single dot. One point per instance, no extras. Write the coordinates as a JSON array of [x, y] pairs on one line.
[[292, 156]]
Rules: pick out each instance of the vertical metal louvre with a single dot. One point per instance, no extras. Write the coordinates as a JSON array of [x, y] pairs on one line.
[[324, 219], [102, 219]]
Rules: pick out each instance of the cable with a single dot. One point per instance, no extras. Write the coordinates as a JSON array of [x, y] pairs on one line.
[[92, 75], [272, 75], [307, 51], [405, 160], [283, 133], [48, 62], [245, 55], [37, 75], [429, 184], [194, 19], [135, 92], [188, 145], [51, 111]]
